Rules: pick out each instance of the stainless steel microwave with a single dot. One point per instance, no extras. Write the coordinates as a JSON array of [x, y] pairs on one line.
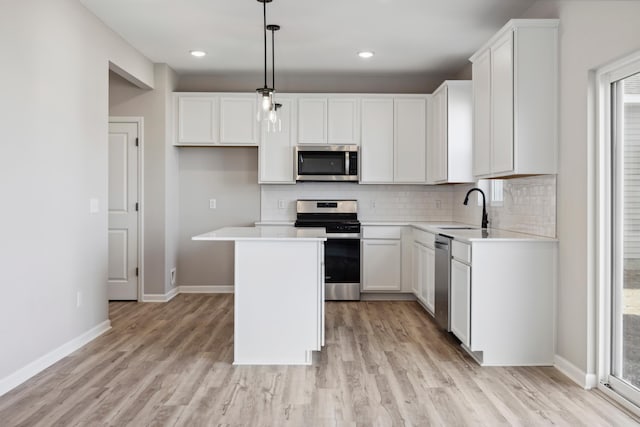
[[327, 163]]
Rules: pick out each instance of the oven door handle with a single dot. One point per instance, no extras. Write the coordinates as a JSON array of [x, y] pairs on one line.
[[332, 236]]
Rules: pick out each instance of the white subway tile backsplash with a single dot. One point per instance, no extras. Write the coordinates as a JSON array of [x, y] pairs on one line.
[[529, 204]]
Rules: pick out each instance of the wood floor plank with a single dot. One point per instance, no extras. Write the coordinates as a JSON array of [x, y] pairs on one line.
[[384, 364]]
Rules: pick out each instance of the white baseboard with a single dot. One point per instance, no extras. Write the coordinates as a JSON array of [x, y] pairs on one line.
[[208, 289], [213, 289], [39, 365], [160, 297], [577, 375]]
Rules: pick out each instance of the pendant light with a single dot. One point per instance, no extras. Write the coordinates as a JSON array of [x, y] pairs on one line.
[[274, 124], [265, 93]]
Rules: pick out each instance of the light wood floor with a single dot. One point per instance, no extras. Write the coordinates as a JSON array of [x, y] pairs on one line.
[[384, 363]]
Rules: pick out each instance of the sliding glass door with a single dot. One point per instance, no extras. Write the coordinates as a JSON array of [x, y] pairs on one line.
[[624, 375]]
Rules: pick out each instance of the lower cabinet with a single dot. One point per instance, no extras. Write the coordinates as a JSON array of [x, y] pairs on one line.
[[460, 301], [424, 275], [381, 265]]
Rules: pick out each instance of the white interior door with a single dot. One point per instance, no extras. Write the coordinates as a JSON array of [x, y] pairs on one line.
[[123, 211]]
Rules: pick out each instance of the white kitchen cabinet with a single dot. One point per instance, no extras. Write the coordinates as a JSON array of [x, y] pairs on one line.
[[449, 147], [376, 149], [217, 119], [328, 120], [197, 119], [312, 120], [381, 265], [515, 78], [502, 300], [276, 155], [423, 269], [460, 300], [238, 124], [381, 258], [410, 137], [482, 114]]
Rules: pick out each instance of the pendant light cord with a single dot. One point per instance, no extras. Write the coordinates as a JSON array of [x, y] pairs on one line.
[[264, 4], [273, 61]]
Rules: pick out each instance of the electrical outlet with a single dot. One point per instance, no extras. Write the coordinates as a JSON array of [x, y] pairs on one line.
[[438, 204], [94, 205], [281, 204], [372, 204], [213, 204], [78, 299], [173, 276]]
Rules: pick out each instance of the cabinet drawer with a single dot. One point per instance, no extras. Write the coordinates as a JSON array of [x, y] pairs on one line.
[[381, 232], [424, 238], [461, 251]]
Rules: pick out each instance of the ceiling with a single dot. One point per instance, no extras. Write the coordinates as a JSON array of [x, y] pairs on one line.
[[408, 36]]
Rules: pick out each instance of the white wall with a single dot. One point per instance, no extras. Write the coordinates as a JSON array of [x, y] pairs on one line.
[[53, 159], [592, 33], [160, 204]]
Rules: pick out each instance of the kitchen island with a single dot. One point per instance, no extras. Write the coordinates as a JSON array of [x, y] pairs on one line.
[[278, 293]]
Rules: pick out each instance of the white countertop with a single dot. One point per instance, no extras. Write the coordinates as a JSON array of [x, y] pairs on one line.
[[264, 233], [474, 235]]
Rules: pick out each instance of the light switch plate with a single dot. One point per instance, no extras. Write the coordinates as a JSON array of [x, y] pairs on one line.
[[94, 205], [212, 204]]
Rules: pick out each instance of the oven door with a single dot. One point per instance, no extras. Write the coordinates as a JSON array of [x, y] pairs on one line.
[[342, 268]]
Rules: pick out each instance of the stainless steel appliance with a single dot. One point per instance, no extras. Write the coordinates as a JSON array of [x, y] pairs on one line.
[[443, 281], [342, 248], [327, 163]]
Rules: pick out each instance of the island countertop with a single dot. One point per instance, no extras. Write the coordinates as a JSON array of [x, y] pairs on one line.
[[264, 233]]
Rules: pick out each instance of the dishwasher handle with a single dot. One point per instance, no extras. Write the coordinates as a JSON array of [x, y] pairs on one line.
[[442, 245]]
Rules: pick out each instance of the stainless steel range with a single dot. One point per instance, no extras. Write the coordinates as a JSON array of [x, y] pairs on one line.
[[342, 249]]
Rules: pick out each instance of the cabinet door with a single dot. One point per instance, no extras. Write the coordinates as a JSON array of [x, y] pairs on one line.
[[276, 148], [482, 115], [312, 121], [376, 151], [429, 287], [238, 124], [381, 265], [437, 144], [343, 121], [197, 120], [415, 270], [410, 127], [460, 300], [502, 104]]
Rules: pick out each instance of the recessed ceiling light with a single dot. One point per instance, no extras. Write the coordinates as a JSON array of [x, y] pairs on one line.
[[198, 53], [365, 54]]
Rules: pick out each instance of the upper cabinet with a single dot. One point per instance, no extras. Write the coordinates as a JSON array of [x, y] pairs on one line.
[[275, 155], [515, 101], [410, 137], [393, 140], [449, 147], [328, 120], [216, 119]]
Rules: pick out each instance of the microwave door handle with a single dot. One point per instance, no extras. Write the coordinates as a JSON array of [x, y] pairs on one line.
[[346, 163]]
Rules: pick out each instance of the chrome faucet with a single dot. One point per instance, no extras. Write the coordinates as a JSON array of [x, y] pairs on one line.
[[485, 219]]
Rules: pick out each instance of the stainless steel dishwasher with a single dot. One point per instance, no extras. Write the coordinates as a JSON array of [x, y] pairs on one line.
[[443, 280]]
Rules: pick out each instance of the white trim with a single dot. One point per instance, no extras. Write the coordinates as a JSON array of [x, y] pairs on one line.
[[619, 399], [387, 296], [161, 297], [140, 122], [600, 220], [578, 376], [23, 374], [209, 289]]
